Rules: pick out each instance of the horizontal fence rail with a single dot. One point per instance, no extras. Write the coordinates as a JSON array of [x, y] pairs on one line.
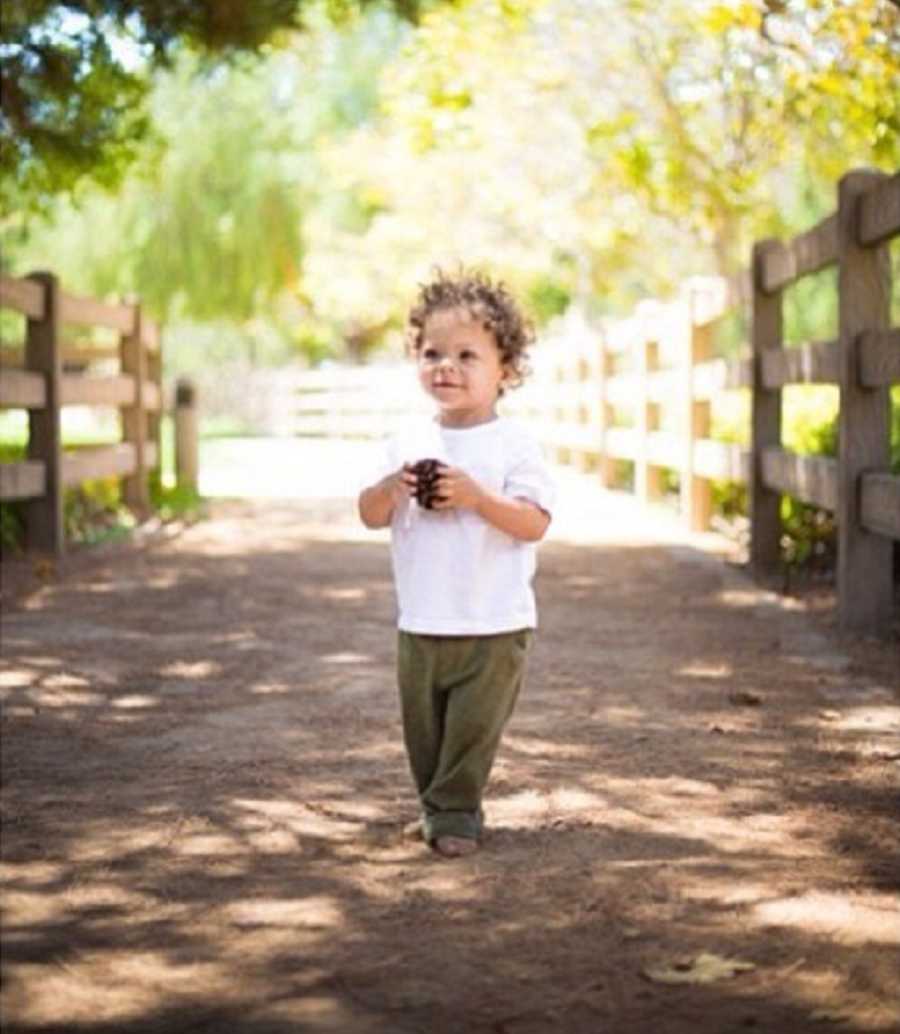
[[26, 480], [355, 402], [50, 371]]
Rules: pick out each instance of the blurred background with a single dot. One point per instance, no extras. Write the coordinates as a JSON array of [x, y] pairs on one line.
[[274, 179]]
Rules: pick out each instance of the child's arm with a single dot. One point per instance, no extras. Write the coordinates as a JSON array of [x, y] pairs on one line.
[[376, 503], [518, 517]]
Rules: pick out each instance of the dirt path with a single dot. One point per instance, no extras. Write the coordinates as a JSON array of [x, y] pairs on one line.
[[205, 794]]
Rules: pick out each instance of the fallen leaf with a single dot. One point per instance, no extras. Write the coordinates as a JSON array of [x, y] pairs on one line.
[[705, 968]]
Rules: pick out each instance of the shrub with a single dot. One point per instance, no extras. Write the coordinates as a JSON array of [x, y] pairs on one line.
[[810, 427]]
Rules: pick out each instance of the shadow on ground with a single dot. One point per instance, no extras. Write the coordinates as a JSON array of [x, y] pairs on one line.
[[205, 796]]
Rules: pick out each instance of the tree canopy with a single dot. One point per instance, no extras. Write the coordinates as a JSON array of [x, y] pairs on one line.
[[75, 75], [582, 149], [557, 140]]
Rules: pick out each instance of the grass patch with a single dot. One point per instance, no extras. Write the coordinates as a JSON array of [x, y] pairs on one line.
[[94, 511]]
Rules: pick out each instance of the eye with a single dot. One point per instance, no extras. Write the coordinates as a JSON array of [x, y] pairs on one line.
[[467, 355], [429, 354]]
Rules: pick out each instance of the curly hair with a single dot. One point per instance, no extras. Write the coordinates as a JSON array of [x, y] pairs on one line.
[[487, 301]]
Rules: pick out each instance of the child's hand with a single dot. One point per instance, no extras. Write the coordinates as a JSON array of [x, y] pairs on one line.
[[455, 489], [517, 516], [402, 484], [378, 502]]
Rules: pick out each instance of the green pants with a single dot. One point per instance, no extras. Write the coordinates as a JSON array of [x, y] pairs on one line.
[[456, 694]]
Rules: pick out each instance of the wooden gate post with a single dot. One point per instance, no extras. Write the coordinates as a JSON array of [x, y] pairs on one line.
[[44, 516], [133, 355], [864, 575], [765, 504], [186, 448], [154, 416]]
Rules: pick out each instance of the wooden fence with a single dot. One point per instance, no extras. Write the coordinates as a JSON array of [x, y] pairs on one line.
[[41, 376], [356, 401], [576, 400], [641, 390]]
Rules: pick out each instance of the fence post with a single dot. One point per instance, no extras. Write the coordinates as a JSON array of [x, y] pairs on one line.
[[44, 516], [585, 457], [154, 416], [186, 449], [133, 356], [864, 574], [765, 504], [696, 347], [606, 470], [647, 480]]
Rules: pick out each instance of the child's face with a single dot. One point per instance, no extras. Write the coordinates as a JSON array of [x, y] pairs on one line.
[[460, 367]]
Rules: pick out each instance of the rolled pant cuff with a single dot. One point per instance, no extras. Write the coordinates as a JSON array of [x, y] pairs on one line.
[[467, 824]]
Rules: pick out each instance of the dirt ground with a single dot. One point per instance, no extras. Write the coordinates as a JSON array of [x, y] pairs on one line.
[[205, 795]]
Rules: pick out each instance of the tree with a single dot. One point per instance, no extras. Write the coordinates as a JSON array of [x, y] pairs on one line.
[[557, 139], [500, 141], [75, 75], [840, 65], [579, 148], [469, 159], [754, 97], [211, 230]]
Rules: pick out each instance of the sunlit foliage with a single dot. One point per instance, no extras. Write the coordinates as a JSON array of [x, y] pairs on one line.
[[588, 151], [75, 76]]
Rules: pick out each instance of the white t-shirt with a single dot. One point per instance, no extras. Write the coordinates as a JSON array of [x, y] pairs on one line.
[[454, 573]]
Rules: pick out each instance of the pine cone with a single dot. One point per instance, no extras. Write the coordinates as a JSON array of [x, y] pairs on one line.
[[427, 472]]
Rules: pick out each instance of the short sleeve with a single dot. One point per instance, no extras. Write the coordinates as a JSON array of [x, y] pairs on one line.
[[386, 463], [528, 476]]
